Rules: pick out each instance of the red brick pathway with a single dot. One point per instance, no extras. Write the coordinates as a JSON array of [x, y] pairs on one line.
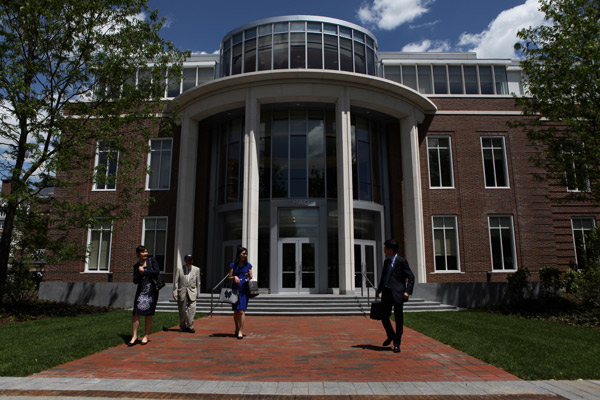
[[284, 349]]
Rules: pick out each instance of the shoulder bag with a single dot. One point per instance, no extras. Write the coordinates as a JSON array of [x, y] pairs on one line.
[[228, 295]]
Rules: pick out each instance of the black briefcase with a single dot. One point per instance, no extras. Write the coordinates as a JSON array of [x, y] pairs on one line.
[[376, 311]]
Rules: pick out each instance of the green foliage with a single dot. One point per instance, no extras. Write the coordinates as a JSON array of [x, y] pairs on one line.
[[72, 73], [550, 282], [560, 61], [20, 285], [530, 349], [584, 283], [518, 288]]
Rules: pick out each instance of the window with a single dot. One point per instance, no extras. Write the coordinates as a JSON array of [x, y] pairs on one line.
[[159, 163], [106, 166], [445, 244], [494, 162], [155, 238], [99, 242], [581, 228], [439, 154], [576, 171], [502, 243]]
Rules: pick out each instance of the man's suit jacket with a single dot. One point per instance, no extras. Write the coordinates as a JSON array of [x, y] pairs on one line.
[[401, 279], [186, 285]]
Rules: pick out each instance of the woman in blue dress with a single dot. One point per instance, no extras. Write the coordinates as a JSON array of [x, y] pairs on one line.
[[145, 271], [240, 273]]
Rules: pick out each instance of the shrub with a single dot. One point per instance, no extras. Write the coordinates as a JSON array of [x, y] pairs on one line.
[[550, 282], [584, 282], [518, 288], [20, 284]]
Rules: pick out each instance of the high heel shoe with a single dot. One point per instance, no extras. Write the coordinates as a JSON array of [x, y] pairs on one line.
[[131, 344]]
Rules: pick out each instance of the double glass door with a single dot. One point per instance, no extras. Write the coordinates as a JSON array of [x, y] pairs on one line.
[[364, 264], [297, 258]]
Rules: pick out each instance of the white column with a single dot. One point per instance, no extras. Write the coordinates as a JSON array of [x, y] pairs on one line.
[[186, 190], [413, 199], [250, 200], [345, 197]]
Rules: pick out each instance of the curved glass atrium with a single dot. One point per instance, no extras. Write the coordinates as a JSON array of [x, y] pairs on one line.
[[299, 42]]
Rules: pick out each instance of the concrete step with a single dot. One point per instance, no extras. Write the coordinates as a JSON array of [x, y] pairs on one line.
[[309, 304]]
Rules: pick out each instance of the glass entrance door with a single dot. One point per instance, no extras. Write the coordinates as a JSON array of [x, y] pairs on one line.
[[298, 269], [364, 265]]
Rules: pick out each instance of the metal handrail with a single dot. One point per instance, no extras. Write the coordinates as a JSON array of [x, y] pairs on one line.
[[364, 274], [212, 292]]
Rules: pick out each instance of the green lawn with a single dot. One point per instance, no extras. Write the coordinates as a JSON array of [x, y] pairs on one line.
[[530, 349], [30, 347]]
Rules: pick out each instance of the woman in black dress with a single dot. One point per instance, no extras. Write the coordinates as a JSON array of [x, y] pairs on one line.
[[145, 271]]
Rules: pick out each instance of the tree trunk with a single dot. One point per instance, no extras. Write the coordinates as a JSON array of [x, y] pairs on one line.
[[5, 244]]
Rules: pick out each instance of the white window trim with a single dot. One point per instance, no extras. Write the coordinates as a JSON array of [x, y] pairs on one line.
[[451, 162], [505, 162], [514, 246], [87, 258], [573, 233], [163, 268], [458, 271], [96, 159], [149, 160]]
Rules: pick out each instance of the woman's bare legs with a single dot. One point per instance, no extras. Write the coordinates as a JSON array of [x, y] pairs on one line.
[[147, 326], [135, 323]]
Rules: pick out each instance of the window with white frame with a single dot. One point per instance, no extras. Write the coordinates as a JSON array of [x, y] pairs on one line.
[[107, 159], [439, 155], [576, 171], [581, 228], [155, 238], [159, 163], [495, 167], [445, 243], [99, 243], [502, 243]]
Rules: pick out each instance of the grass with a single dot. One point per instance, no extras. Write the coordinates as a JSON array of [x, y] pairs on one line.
[[33, 346], [529, 349]]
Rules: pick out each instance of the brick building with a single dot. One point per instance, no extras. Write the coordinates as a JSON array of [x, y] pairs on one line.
[[304, 143]]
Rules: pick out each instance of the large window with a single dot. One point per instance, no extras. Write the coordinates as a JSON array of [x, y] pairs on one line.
[[107, 159], [292, 44], [99, 243], [439, 155], [230, 160], [502, 243], [581, 228], [451, 79], [494, 162], [155, 238], [576, 171], [159, 163], [445, 244]]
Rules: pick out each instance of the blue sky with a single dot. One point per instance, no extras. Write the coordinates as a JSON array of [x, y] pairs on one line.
[[487, 27]]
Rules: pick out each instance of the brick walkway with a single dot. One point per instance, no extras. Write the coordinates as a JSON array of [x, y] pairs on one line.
[[284, 349]]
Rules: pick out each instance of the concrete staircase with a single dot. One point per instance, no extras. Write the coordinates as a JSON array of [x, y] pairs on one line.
[[314, 304]]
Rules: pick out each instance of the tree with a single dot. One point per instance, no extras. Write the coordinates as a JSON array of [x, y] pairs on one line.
[[73, 74], [561, 62]]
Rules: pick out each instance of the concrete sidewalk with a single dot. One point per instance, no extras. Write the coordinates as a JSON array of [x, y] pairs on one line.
[[302, 357]]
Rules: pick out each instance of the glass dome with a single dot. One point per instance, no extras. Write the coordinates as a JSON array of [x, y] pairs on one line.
[[299, 41]]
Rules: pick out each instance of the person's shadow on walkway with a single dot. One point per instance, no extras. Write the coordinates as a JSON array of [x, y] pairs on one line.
[[223, 335], [165, 329], [371, 347]]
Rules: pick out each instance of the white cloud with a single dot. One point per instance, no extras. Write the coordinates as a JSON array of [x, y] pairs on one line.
[[498, 40], [427, 46], [389, 14]]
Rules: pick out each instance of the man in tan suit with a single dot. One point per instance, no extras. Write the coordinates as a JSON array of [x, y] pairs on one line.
[[186, 287]]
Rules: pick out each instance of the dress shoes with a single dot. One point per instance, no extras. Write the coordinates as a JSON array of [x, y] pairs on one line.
[[131, 344], [387, 342], [191, 330], [396, 349]]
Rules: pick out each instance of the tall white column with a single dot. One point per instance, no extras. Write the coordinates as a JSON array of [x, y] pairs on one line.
[[345, 197], [186, 190], [251, 189], [413, 199]]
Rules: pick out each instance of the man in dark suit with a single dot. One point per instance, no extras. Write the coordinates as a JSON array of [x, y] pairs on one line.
[[395, 285]]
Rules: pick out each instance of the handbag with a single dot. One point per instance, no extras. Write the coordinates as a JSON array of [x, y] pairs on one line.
[[376, 311], [158, 282], [228, 295], [252, 288]]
